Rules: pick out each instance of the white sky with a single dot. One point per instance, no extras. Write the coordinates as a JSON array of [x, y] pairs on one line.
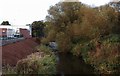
[[22, 12], [96, 2]]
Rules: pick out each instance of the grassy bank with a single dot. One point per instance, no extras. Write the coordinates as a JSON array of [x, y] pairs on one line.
[[103, 54]]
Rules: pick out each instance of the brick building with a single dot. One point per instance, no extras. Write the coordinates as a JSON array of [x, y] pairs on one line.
[[3, 32], [25, 33], [11, 31]]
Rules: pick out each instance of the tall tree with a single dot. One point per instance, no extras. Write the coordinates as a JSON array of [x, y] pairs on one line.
[[37, 28], [61, 18], [72, 21], [64, 14]]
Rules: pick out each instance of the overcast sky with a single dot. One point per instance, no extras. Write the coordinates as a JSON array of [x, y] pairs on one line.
[[22, 12]]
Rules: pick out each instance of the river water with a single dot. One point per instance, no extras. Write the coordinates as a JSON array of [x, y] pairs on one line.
[[69, 64]]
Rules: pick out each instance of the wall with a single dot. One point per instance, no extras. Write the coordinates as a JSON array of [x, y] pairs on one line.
[[3, 32]]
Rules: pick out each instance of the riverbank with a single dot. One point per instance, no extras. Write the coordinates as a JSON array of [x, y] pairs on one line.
[[13, 52], [101, 53], [90, 60], [40, 62]]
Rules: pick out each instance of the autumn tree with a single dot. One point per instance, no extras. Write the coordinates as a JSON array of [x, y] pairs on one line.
[[79, 21], [84, 31], [61, 19]]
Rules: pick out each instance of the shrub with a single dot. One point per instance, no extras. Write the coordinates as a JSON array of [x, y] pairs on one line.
[[45, 49], [113, 38], [106, 58], [77, 50], [44, 41], [42, 62], [37, 65], [8, 70]]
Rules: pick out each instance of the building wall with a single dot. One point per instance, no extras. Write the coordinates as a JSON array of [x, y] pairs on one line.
[[10, 31], [3, 32], [25, 33]]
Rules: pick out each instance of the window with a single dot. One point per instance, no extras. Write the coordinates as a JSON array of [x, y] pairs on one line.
[[3, 31]]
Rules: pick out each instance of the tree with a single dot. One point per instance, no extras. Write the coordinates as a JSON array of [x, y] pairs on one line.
[[5, 23], [64, 42], [85, 30], [61, 18], [37, 28], [116, 6], [63, 13], [97, 22], [77, 21]]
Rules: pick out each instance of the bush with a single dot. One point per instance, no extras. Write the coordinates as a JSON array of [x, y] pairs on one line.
[[113, 38], [44, 41], [106, 58], [45, 49], [77, 50], [42, 62], [8, 70], [37, 65]]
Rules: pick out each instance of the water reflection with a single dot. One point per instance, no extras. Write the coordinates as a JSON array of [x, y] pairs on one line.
[[69, 64]]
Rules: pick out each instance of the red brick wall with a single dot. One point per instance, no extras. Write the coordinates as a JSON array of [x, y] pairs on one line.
[[25, 33]]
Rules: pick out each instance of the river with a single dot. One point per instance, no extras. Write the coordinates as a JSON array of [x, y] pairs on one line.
[[69, 64]]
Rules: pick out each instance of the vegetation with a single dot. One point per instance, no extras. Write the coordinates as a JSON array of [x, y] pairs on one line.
[[5, 23], [37, 28], [44, 49], [90, 32], [42, 62], [106, 57], [37, 65], [8, 70]]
